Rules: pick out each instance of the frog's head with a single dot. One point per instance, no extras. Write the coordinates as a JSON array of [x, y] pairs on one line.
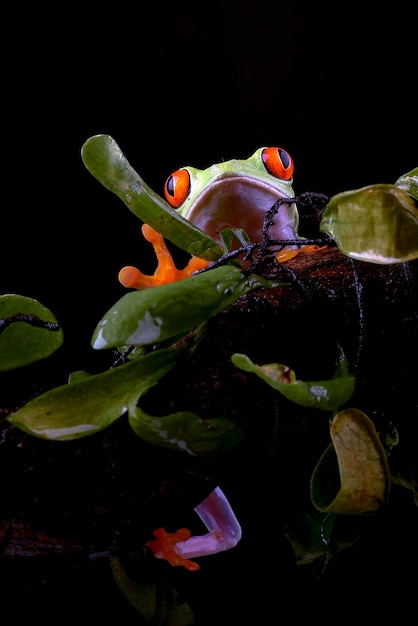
[[237, 194]]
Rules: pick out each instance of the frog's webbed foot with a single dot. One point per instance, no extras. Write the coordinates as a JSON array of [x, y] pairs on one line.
[[224, 533], [166, 271]]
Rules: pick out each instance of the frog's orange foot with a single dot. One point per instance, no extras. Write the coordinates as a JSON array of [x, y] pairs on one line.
[[286, 255], [166, 271], [164, 547], [224, 533]]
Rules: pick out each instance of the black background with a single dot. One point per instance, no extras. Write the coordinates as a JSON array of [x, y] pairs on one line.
[[175, 84]]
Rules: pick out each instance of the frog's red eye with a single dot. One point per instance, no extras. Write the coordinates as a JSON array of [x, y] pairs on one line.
[[177, 187], [278, 162]]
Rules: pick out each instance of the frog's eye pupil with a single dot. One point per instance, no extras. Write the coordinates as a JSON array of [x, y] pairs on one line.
[[169, 186], [278, 162], [177, 187], [284, 157]]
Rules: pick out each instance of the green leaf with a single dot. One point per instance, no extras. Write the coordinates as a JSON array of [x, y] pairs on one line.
[[79, 375], [409, 183], [29, 332], [357, 454], [185, 431], [142, 593], [327, 395], [92, 403], [106, 162], [316, 537], [153, 315], [377, 224], [230, 236]]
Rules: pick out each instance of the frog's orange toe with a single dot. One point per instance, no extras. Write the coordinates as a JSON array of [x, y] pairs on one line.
[[131, 278], [194, 265], [166, 271], [152, 235], [164, 547], [286, 255]]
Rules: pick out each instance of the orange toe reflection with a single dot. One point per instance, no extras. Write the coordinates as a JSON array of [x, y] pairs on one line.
[[164, 547]]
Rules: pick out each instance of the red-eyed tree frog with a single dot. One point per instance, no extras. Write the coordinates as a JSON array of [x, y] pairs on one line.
[[234, 194], [237, 194]]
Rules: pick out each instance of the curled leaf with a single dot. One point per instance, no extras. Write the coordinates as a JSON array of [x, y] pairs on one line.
[[378, 224], [409, 182], [358, 456], [185, 431], [327, 395]]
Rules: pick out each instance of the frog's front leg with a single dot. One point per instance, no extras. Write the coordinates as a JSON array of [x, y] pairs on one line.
[[166, 272], [224, 533]]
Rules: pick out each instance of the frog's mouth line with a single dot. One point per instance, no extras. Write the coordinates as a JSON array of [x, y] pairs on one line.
[[240, 202]]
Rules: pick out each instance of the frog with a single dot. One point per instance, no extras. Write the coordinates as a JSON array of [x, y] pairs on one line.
[[233, 194], [237, 194]]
